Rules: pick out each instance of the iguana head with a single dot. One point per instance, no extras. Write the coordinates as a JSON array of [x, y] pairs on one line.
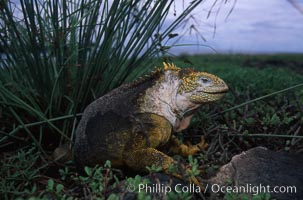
[[201, 87], [197, 87], [194, 88]]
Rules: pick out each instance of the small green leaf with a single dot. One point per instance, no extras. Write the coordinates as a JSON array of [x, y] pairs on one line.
[[154, 168], [59, 188], [107, 164], [88, 171], [50, 185]]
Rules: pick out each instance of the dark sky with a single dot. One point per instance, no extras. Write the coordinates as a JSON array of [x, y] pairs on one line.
[[254, 26]]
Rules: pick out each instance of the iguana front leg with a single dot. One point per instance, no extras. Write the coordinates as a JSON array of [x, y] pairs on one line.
[[149, 132], [179, 148], [141, 152]]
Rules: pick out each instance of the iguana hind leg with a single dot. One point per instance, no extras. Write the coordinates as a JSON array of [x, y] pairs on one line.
[[139, 159]]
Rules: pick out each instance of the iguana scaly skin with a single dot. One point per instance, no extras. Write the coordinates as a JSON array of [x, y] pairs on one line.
[[129, 124]]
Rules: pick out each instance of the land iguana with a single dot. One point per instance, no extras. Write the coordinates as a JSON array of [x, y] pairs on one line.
[[129, 124]]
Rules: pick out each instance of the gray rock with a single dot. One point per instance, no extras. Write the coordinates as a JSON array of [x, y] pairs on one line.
[[259, 169]]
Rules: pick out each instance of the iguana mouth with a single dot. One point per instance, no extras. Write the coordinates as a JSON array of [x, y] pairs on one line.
[[213, 92], [216, 90]]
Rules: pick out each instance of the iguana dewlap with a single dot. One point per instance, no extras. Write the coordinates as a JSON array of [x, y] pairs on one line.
[[129, 124]]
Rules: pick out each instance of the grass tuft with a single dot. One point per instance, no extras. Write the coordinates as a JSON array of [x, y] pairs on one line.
[[61, 55]]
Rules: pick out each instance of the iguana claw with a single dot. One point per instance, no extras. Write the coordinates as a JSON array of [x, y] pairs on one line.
[[188, 148]]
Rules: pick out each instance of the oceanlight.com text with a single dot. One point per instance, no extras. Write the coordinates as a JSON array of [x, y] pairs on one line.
[[249, 188]]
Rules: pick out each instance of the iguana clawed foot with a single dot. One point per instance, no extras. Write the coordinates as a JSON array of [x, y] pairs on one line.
[[187, 149], [193, 149]]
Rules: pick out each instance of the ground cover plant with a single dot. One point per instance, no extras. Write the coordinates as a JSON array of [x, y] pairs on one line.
[[61, 56]]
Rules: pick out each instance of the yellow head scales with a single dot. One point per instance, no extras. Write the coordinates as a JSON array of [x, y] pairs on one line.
[[189, 83]]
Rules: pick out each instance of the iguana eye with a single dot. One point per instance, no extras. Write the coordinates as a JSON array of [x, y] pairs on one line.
[[204, 80]]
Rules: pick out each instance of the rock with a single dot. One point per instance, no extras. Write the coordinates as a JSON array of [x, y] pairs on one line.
[[260, 169]]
